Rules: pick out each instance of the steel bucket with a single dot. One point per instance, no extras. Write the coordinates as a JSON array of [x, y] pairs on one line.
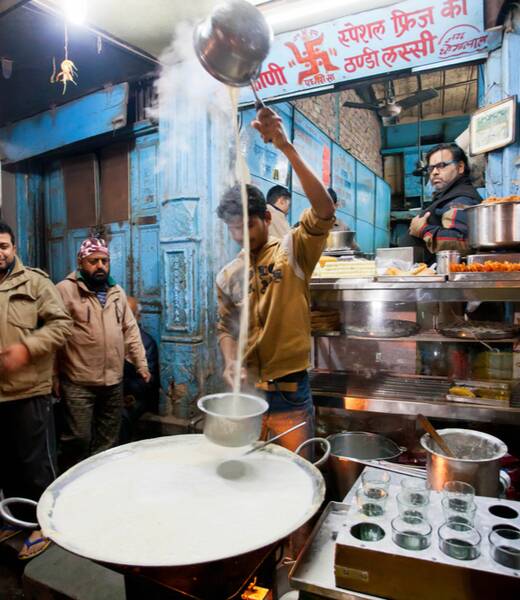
[[232, 419], [233, 42], [348, 448], [492, 226], [339, 240], [482, 471]]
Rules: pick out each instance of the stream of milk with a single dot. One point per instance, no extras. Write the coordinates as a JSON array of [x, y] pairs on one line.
[[242, 175]]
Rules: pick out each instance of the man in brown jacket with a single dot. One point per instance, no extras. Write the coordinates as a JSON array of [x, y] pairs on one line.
[[90, 365], [33, 324], [279, 334]]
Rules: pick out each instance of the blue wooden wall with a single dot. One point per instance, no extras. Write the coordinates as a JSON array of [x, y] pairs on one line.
[[501, 77], [363, 197]]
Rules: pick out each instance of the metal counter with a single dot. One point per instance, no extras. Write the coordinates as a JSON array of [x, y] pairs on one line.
[[367, 290], [335, 392]]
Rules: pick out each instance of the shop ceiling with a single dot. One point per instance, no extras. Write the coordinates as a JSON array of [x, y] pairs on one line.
[[31, 39], [456, 87]]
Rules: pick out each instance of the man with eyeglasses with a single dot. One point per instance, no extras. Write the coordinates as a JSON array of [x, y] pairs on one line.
[[443, 225]]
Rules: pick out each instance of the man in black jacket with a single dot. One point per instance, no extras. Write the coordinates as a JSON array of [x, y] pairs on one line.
[[139, 397], [443, 226]]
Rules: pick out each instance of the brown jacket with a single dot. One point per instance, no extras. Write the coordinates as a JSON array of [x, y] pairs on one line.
[[95, 352], [31, 312], [279, 340]]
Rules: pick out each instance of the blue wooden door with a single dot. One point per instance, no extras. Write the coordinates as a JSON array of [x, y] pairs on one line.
[[144, 257], [63, 243], [56, 222]]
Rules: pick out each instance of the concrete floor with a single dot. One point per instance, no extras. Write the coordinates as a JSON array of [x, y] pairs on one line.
[[11, 571]]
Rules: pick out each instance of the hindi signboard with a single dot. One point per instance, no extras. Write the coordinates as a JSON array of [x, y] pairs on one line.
[[398, 37]]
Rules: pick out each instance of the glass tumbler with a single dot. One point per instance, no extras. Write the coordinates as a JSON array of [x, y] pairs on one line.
[[415, 491], [456, 511], [460, 541], [505, 547], [408, 510], [372, 505], [460, 493], [412, 533], [375, 482]]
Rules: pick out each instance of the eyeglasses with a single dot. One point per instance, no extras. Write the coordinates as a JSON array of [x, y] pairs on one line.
[[440, 166]]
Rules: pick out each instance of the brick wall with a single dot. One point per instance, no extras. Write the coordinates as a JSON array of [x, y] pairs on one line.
[[358, 131]]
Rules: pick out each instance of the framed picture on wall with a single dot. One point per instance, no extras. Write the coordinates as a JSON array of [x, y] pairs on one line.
[[493, 126]]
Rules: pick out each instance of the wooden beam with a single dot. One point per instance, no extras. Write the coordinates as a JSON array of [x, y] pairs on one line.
[[101, 112], [7, 6]]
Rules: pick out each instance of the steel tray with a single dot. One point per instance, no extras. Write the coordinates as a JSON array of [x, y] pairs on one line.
[[313, 571], [490, 276], [411, 278]]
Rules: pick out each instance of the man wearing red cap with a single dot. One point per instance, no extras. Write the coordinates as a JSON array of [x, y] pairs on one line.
[[90, 365]]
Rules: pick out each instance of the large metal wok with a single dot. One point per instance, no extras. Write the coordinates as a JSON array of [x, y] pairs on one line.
[[164, 502]]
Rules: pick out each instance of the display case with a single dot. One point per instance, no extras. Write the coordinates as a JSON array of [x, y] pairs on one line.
[[443, 348]]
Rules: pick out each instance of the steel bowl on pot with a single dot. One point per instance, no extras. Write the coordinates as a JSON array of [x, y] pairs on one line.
[[340, 240], [492, 226], [477, 460], [232, 419]]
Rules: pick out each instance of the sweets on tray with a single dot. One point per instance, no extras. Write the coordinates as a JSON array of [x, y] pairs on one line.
[[420, 270], [490, 266], [345, 269]]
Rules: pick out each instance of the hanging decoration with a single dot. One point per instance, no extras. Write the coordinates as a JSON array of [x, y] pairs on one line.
[[68, 72]]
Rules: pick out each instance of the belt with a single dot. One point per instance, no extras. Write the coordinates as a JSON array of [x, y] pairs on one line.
[[277, 386]]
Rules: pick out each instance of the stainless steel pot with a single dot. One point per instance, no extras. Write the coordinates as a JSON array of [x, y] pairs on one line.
[[352, 450], [232, 419], [233, 42], [479, 464], [494, 225], [338, 240]]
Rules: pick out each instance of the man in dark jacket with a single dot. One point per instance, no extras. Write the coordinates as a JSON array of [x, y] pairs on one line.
[[443, 226], [139, 396]]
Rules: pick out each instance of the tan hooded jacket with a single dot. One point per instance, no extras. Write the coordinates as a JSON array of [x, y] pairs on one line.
[[95, 352], [279, 340], [31, 312]]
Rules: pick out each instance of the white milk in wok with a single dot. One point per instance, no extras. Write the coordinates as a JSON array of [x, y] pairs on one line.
[[162, 503]]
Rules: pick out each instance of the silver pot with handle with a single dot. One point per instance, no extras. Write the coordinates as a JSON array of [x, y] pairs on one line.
[[235, 420], [351, 451], [478, 460], [340, 240], [233, 42], [232, 420], [495, 225]]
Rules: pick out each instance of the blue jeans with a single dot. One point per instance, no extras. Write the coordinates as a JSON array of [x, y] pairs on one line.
[[287, 409]]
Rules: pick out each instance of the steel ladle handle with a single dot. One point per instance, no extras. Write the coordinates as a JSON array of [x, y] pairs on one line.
[[13, 520], [316, 440]]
